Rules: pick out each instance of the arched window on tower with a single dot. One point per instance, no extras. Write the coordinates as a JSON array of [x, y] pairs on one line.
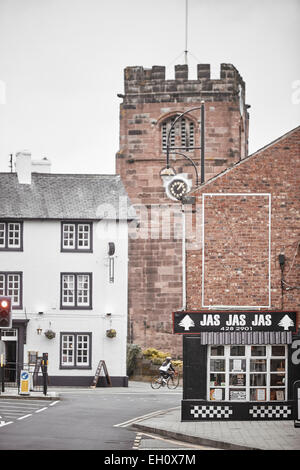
[[182, 135]]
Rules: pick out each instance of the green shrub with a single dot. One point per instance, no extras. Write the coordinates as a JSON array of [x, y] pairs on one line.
[[133, 351]]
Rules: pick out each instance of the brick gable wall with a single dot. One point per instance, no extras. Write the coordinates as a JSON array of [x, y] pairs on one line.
[[236, 240]]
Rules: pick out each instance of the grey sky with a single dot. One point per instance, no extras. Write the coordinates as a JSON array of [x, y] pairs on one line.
[[62, 66]]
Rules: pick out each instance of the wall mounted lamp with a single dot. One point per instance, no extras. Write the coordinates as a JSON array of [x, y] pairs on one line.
[[281, 259]]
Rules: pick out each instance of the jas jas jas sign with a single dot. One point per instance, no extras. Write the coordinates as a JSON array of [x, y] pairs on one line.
[[196, 322]]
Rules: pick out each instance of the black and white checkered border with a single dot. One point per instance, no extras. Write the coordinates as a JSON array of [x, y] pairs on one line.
[[270, 411], [211, 411]]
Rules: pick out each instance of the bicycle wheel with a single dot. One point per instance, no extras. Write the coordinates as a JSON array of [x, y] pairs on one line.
[[173, 382], [156, 382]]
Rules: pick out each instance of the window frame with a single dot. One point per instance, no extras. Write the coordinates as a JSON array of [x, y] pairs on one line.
[[248, 387], [75, 365], [76, 248], [18, 306], [6, 246], [75, 305]]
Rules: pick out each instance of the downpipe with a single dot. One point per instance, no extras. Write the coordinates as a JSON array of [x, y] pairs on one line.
[[183, 259]]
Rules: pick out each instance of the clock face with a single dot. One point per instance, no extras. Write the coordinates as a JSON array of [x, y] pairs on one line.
[[178, 188]]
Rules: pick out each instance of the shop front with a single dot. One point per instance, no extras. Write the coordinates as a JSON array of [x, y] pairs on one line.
[[238, 365]]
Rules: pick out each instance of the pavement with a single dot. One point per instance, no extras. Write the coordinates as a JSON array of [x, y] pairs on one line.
[[11, 392], [231, 435]]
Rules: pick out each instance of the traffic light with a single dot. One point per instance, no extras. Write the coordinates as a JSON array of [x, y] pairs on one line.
[[5, 312]]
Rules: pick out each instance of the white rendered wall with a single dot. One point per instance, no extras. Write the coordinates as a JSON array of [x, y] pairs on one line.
[[42, 262]]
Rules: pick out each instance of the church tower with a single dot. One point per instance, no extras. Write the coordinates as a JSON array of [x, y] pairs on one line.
[[150, 105]]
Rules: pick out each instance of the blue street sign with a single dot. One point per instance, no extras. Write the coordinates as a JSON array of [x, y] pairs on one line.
[[24, 375]]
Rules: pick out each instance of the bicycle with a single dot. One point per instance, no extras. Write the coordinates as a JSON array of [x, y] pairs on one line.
[[172, 381]]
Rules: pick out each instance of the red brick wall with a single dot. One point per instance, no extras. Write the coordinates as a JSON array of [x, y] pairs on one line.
[[236, 235], [236, 250]]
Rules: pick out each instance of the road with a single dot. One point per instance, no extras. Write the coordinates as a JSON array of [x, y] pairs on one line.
[[82, 419]]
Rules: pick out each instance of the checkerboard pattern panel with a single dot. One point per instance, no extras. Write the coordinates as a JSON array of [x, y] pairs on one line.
[[211, 411], [270, 411]]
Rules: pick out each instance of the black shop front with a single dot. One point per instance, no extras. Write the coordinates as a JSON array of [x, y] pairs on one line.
[[238, 365]]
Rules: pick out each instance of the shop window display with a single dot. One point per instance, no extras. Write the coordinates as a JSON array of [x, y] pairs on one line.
[[247, 373]]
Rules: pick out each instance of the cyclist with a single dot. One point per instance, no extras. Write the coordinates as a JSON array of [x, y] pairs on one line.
[[166, 370]]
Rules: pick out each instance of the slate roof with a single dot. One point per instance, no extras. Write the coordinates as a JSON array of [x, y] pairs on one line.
[[64, 196]]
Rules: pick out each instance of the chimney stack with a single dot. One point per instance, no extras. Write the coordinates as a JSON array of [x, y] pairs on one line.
[[23, 167], [41, 166]]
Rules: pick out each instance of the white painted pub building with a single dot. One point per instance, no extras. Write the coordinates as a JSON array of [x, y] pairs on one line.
[[63, 261]]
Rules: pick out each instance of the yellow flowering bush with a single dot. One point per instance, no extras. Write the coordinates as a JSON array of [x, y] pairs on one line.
[[158, 357]]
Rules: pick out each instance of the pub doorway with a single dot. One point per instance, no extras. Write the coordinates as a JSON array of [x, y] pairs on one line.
[[10, 339]]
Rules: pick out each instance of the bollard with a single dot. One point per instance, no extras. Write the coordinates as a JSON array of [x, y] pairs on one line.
[[2, 374], [45, 372]]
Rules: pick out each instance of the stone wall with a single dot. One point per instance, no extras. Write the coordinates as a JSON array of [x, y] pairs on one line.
[[155, 251], [145, 370]]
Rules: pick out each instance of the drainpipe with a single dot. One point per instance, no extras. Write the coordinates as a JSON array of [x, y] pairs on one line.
[[202, 142], [183, 260]]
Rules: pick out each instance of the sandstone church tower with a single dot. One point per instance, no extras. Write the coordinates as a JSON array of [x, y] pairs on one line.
[[150, 105]]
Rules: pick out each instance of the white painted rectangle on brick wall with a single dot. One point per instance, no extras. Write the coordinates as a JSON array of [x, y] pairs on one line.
[[236, 250]]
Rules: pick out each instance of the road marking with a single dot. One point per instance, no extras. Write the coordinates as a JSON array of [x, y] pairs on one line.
[[137, 441], [42, 409], [12, 410], [141, 418], [54, 403], [16, 403], [22, 399], [16, 407], [187, 445], [23, 417], [4, 423]]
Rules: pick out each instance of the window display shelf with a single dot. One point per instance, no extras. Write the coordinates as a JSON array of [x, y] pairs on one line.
[[256, 376]]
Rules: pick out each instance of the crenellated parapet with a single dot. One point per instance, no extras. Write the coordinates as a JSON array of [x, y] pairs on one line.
[[146, 85]]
